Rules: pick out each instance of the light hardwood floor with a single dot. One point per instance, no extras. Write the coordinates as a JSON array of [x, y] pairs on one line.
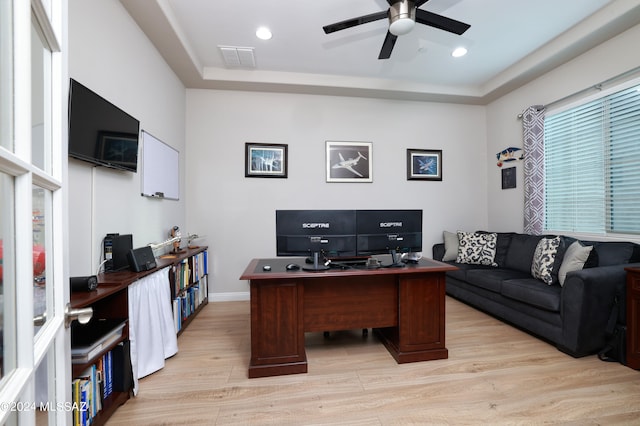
[[495, 374]]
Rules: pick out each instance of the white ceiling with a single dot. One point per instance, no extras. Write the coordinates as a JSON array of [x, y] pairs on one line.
[[510, 42]]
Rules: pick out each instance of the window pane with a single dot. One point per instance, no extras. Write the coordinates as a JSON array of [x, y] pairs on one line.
[[40, 101], [44, 392], [7, 276], [575, 170], [6, 76], [592, 178], [39, 264], [624, 174]]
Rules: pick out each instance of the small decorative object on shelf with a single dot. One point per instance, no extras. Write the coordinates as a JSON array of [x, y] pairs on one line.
[[176, 237]]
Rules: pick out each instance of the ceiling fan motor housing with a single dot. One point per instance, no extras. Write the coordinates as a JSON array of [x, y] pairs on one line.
[[402, 17]]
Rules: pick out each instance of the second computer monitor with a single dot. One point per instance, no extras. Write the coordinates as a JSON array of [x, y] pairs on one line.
[[388, 231]]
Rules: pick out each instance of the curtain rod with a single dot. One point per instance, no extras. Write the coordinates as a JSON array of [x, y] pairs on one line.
[[598, 86]]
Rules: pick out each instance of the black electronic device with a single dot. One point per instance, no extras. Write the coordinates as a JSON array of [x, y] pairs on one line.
[[316, 233], [292, 267], [100, 132], [88, 283], [116, 248], [389, 231], [142, 259]]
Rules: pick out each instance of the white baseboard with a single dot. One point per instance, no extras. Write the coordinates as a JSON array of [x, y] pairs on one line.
[[229, 297]]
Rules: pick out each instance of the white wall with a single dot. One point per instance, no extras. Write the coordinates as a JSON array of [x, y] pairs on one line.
[[237, 214], [504, 129], [110, 55]]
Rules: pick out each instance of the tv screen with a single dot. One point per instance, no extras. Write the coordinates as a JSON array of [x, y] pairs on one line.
[[100, 132], [388, 231], [304, 232]]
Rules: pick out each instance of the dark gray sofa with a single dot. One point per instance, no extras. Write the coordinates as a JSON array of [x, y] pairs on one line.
[[572, 316]]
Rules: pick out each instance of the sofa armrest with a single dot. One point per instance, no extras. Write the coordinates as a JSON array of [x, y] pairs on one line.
[[438, 251], [588, 297]]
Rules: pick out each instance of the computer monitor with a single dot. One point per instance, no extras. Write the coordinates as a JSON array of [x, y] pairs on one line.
[[389, 231], [316, 233]]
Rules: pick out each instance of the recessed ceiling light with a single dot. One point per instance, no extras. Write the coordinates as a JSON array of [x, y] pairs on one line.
[[458, 52], [263, 33]]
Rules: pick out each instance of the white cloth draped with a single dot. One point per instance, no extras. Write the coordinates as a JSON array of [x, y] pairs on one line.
[[152, 334]]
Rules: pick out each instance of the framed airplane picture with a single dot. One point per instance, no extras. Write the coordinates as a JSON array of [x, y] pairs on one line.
[[424, 164], [349, 161], [265, 160]]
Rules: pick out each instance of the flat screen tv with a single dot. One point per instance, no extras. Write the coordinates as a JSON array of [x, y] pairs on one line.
[[100, 132], [316, 233], [389, 231]]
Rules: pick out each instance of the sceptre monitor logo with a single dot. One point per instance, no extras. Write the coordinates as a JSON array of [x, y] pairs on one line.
[[315, 225], [390, 224]]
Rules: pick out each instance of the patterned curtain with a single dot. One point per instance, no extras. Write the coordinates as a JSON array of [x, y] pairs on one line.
[[533, 132]]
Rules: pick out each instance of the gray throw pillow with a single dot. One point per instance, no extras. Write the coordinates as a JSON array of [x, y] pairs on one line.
[[450, 246], [574, 259]]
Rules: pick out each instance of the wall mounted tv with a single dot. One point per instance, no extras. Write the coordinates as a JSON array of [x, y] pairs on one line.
[[100, 132]]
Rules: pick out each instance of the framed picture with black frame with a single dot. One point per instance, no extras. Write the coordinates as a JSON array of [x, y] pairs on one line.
[[509, 178], [265, 160], [424, 164]]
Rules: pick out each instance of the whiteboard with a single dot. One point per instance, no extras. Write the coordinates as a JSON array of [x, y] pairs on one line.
[[160, 169]]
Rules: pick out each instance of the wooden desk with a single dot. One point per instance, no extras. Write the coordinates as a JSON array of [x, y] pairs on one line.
[[633, 318], [404, 306]]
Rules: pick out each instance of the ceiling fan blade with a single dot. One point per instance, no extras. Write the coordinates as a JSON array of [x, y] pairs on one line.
[[387, 46], [420, 2], [441, 22], [354, 21]]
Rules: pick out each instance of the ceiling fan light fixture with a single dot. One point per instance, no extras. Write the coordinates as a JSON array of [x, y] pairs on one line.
[[402, 17], [401, 26]]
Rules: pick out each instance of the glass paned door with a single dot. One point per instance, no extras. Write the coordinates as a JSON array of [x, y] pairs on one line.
[[35, 363]]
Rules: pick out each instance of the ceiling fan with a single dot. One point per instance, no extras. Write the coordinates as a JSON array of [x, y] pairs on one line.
[[402, 14]]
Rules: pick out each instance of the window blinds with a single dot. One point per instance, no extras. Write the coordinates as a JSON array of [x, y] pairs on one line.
[[592, 166]]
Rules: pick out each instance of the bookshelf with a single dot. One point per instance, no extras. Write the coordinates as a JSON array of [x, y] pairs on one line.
[[108, 303], [188, 278], [189, 282]]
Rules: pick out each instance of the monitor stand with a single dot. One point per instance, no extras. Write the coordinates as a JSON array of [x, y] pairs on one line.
[[317, 265], [395, 260]]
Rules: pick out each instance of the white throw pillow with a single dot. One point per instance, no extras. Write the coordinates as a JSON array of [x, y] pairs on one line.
[[574, 259], [450, 246], [543, 259], [477, 248]]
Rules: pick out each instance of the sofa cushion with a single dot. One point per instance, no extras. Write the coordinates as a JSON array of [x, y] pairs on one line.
[[614, 252], [502, 246], [533, 292], [450, 246], [491, 278], [520, 254], [544, 259], [574, 259], [476, 248], [463, 269]]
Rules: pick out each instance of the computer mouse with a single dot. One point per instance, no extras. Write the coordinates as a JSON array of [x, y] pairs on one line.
[[292, 267]]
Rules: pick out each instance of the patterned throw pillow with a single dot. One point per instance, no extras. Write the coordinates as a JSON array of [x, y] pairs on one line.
[[544, 258], [477, 248]]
